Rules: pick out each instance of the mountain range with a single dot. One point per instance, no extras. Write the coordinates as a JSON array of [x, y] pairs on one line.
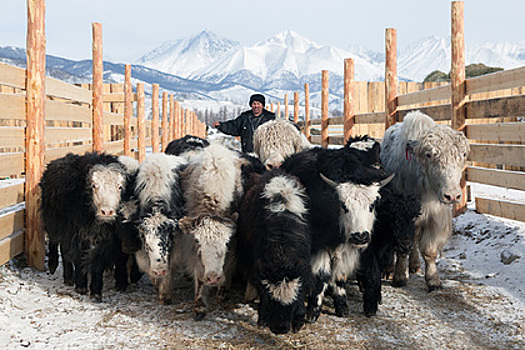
[[208, 67]]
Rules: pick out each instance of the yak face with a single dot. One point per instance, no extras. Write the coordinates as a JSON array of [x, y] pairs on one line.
[[157, 233], [357, 209], [106, 184], [442, 153], [212, 235]]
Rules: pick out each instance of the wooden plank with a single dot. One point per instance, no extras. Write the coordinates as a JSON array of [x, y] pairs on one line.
[[58, 135], [60, 111], [438, 113], [498, 154], [11, 195], [370, 118], [419, 97], [55, 153], [496, 177], [13, 106], [12, 164], [511, 106], [502, 132], [112, 119], [11, 223], [12, 76], [61, 89], [506, 209], [336, 140], [12, 136], [11, 247], [506, 79], [117, 97], [114, 147]]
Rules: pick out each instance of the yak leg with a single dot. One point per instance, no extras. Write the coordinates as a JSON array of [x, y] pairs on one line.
[[53, 257], [69, 271], [201, 300], [400, 270], [414, 264], [121, 271], [165, 289], [321, 272]]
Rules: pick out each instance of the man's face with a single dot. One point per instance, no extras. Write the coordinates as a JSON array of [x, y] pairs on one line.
[[257, 108]]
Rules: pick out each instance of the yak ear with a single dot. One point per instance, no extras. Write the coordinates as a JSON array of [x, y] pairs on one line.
[[385, 182], [330, 183], [186, 224]]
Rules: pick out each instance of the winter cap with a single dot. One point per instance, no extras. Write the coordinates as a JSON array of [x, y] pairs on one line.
[[257, 97]]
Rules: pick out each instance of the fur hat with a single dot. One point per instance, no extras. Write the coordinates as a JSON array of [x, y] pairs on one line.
[[257, 97]]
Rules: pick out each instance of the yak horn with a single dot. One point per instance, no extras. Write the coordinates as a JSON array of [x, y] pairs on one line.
[[385, 182], [331, 183]]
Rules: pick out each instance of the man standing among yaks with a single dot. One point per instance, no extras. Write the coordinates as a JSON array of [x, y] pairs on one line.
[[246, 123]]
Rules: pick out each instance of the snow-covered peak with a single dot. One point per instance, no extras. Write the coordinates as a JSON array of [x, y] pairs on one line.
[[291, 41]]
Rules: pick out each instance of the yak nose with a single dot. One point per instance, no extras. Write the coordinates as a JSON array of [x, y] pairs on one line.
[[360, 238], [213, 278], [452, 197], [280, 329], [107, 212], [160, 273]]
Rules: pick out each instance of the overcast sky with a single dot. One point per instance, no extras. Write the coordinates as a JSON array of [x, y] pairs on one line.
[[131, 28]]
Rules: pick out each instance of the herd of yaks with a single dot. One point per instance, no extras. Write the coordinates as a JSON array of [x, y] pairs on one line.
[[292, 221]]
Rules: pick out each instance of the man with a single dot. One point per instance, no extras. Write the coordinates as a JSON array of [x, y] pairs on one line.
[[245, 124]]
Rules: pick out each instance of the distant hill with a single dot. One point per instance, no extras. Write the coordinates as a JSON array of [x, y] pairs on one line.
[[472, 70]]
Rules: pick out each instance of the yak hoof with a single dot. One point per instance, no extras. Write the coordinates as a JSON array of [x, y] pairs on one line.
[[313, 315], [199, 316], [399, 282], [414, 269], [80, 290], [165, 301], [96, 298], [433, 287], [342, 312], [121, 287]]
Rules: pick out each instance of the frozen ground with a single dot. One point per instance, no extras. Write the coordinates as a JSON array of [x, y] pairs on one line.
[[482, 306]]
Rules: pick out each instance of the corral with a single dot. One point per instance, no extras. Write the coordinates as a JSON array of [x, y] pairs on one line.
[[463, 315]]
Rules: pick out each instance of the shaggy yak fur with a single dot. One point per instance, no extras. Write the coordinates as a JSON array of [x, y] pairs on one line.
[[161, 205], [343, 188], [277, 139], [394, 231], [80, 198], [213, 186], [274, 247], [428, 160]]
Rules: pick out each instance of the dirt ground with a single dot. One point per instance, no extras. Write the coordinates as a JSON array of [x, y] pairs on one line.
[[459, 316]]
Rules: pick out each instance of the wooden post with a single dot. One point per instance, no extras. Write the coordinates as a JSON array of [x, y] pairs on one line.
[[278, 114], [324, 108], [98, 78], [164, 123], [348, 104], [272, 107], [307, 111], [171, 134], [296, 107], [35, 127], [141, 121], [178, 121], [457, 83], [390, 77], [155, 118], [128, 109], [285, 106]]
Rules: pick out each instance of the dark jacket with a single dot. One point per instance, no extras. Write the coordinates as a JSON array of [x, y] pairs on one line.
[[244, 126]]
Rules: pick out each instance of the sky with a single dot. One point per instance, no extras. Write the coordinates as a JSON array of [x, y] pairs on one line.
[[131, 28]]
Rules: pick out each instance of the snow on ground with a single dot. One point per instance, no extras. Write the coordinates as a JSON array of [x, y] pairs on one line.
[[481, 306]]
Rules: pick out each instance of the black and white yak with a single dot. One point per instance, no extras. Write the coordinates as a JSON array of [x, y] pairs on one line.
[[273, 245], [428, 160], [213, 186], [343, 187], [161, 205], [81, 195], [394, 231], [187, 146]]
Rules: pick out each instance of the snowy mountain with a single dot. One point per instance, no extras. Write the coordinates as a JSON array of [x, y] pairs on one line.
[[419, 59], [183, 57], [208, 67]]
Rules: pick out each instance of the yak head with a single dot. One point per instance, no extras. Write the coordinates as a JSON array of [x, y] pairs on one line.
[[157, 234], [212, 235], [106, 184], [442, 153], [357, 206]]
